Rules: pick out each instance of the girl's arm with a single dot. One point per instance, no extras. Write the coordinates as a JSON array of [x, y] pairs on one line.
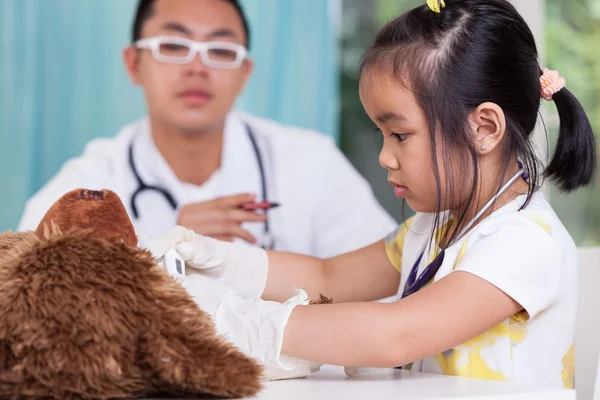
[[453, 310], [363, 275]]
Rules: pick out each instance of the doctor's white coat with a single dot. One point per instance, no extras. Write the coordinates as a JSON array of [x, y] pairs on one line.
[[327, 207]]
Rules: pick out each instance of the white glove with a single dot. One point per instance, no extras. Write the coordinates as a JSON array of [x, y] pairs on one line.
[[159, 246], [164, 252], [255, 326], [237, 265]]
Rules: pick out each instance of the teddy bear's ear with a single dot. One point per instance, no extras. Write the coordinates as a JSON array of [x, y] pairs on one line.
[[11, 242], [188, 354]]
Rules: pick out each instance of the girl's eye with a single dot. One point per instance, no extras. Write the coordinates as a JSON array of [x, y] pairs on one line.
[[400, 137]]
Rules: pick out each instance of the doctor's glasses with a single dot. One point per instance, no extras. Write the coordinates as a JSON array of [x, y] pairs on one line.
[[180, 50]]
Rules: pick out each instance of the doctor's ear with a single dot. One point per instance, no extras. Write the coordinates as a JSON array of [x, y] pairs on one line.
[[247, 69], [131, 58]]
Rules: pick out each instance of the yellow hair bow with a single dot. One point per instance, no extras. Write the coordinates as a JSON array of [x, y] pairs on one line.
[[436, 5]]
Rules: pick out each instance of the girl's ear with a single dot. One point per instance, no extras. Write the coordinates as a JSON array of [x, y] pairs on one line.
[[489, 125]]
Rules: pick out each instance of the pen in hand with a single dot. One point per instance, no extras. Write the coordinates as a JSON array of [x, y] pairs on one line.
[[265, 205]]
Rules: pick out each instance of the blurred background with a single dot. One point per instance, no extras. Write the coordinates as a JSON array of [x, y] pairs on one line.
[[62, 83]]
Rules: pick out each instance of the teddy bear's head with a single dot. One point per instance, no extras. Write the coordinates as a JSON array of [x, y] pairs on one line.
[[85, 314], [100, 211]]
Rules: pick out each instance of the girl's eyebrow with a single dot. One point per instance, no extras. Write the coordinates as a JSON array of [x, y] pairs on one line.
[[390, 117]]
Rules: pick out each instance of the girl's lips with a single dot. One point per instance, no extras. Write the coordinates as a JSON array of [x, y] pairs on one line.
[[400, 191]]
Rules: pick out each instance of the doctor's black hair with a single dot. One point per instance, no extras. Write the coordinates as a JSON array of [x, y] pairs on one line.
[[145, 10], [477, 51]]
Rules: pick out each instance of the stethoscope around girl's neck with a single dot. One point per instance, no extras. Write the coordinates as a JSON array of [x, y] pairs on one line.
[[414, 284]]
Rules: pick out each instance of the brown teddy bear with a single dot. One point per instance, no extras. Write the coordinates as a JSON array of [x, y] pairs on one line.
[[85, 314]]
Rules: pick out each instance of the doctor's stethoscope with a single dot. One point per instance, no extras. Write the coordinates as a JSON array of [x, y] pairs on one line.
[[268, 240], [414, 283]]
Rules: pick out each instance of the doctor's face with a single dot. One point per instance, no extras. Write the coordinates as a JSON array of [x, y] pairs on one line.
[[406, 151], [189, 97]]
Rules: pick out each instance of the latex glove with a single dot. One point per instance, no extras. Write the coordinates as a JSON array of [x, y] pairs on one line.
[[165, 254], [159, 246], [255, 326], [240, 266]]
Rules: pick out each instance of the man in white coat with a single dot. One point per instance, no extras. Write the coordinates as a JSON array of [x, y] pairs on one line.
[[194, 162]]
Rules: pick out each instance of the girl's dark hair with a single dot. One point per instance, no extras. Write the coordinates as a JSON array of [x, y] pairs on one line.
[[477, 51]]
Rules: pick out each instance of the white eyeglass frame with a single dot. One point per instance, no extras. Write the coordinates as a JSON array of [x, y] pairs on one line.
[[153, 44]]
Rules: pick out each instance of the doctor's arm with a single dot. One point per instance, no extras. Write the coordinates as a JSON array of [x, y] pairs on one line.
[[362, 275]]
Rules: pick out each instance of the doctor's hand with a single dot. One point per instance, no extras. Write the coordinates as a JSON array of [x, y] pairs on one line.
[[221, 218]]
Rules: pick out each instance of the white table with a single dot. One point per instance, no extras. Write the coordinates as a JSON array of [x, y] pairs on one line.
[[332, 383]]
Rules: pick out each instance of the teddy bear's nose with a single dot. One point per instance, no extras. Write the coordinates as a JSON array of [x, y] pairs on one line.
[[85, 194]]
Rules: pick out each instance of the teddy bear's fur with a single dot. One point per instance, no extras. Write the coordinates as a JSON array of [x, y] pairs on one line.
[[84, 314]]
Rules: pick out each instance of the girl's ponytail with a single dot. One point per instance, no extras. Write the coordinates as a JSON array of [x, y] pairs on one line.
[[574, 159]]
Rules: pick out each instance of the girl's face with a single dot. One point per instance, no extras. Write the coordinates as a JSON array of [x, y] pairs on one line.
[[406, 151]]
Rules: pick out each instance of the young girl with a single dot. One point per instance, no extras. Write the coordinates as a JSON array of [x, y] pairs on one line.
[[485, 273]]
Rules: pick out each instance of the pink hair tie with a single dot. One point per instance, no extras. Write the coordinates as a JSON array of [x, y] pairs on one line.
[[551, 82]]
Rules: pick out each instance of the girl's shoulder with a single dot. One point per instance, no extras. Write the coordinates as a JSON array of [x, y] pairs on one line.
[[536, 220]]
